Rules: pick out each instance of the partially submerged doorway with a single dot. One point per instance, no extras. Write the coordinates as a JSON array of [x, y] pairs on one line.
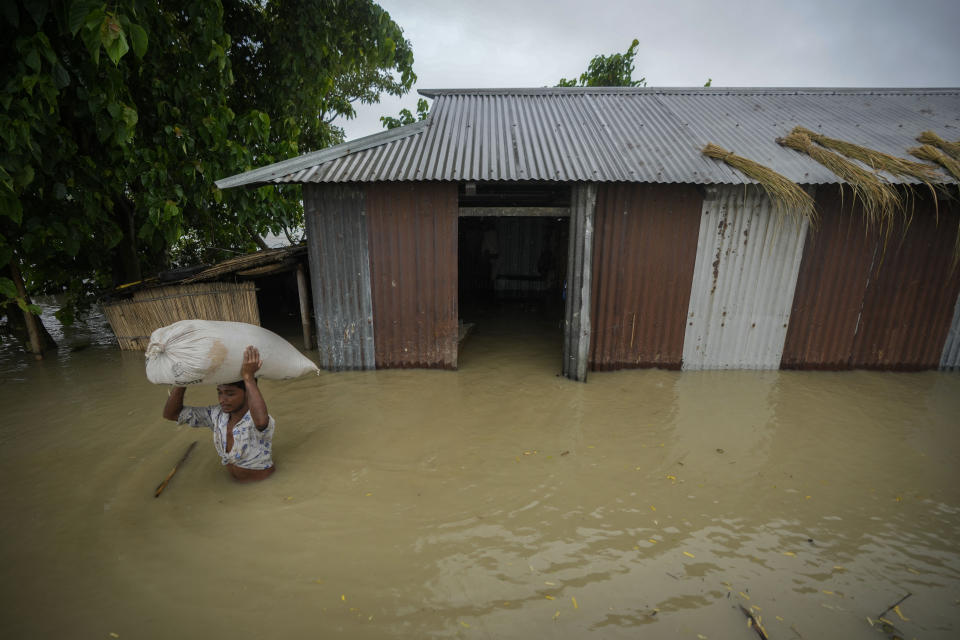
[[513, 244]]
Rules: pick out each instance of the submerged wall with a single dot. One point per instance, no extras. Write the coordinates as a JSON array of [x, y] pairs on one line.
[[669, 276]]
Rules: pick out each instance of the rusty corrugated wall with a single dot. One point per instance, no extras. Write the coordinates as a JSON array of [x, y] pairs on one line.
[[858, 306], [645, 248], [833, 276], [340, 275], [412, 232], [576, 323], [909, 302]]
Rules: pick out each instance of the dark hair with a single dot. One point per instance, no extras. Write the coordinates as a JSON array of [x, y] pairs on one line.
[[239, 384]]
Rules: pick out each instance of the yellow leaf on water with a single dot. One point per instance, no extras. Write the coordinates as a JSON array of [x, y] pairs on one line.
[[838, 568], [789, 553], [636, 548], [896, 610], [574, 601], [652, 540], [464, 624], [368, 494], [688, 554], [552, 584], [670, 477], [701, 636], [829, 593], [114, 635], [778, 618], [343, 597], [652, 508], [556, 615], [548, 597], [744, 596]]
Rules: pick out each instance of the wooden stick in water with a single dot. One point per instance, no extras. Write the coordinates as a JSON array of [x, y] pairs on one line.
[[166, 481], [754, 623], [894, 605]]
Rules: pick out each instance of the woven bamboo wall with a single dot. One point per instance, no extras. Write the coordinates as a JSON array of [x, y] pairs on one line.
[[135, 319]]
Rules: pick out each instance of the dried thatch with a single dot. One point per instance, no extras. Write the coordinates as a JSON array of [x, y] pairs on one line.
[[786, 195], [881, 201], [876, 159], [249, 261], [951, 148], [933, 154]]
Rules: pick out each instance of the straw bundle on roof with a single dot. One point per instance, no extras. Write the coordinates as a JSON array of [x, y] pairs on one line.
[[951, 148], [134, 320], [881, 202], [933, 154], [876, 159], [786, 195]]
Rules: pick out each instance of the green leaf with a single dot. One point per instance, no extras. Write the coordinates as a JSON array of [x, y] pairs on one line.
[[28, 82], [77, 16], [32, 59], [91, 40], [37, 10], [117, 47], [7, 288], [61, 78], [138, 38]]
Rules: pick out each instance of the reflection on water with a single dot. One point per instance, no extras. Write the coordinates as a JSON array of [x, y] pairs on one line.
[[496, 501]]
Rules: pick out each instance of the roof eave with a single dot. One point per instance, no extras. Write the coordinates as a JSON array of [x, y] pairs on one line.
[[270, 173]]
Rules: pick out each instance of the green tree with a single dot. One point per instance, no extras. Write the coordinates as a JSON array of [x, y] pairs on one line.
[[117, 117], [614, 70], [406, 117]]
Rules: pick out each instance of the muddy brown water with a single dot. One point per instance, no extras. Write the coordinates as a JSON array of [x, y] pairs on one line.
[[498, 501]]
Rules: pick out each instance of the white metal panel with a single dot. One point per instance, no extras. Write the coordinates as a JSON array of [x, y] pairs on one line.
[[743, 282], [951, 348]]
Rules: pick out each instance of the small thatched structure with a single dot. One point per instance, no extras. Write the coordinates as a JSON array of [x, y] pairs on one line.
[[224, 291], [134, 319]]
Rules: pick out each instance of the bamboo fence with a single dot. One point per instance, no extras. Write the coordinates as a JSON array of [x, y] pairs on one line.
[[134, 319]]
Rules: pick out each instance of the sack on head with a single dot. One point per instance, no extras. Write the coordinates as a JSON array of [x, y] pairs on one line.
[[211, 352]]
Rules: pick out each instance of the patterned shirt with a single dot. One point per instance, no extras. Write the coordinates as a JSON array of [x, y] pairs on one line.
[[251, 447]]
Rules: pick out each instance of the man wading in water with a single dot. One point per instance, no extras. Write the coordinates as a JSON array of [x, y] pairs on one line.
[[242, 428]]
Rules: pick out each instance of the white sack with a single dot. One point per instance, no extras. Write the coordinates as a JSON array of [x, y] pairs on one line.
[[211, 352]]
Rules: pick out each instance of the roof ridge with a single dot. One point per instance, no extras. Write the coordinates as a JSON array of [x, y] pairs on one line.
[[433, 93]]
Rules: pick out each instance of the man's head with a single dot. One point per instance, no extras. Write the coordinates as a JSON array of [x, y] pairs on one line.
[[232, 396]]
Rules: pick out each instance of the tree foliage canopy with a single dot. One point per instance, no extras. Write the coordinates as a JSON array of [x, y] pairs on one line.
[[614, 70], [406, 117], [117, 117]]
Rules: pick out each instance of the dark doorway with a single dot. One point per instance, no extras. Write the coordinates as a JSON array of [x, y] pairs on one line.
[[512, 271]]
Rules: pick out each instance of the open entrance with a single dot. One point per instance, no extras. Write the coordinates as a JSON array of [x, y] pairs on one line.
[[512, 264]]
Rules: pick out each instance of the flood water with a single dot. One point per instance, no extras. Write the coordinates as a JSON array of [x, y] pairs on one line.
[[498, 501]]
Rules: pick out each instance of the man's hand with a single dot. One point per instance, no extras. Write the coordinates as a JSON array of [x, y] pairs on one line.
[[251, 363]]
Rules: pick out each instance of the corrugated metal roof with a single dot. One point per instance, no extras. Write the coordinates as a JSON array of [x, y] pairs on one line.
[[622, 135]]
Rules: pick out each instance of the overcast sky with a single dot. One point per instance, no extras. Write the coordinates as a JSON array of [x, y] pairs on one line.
[[737, 43]]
